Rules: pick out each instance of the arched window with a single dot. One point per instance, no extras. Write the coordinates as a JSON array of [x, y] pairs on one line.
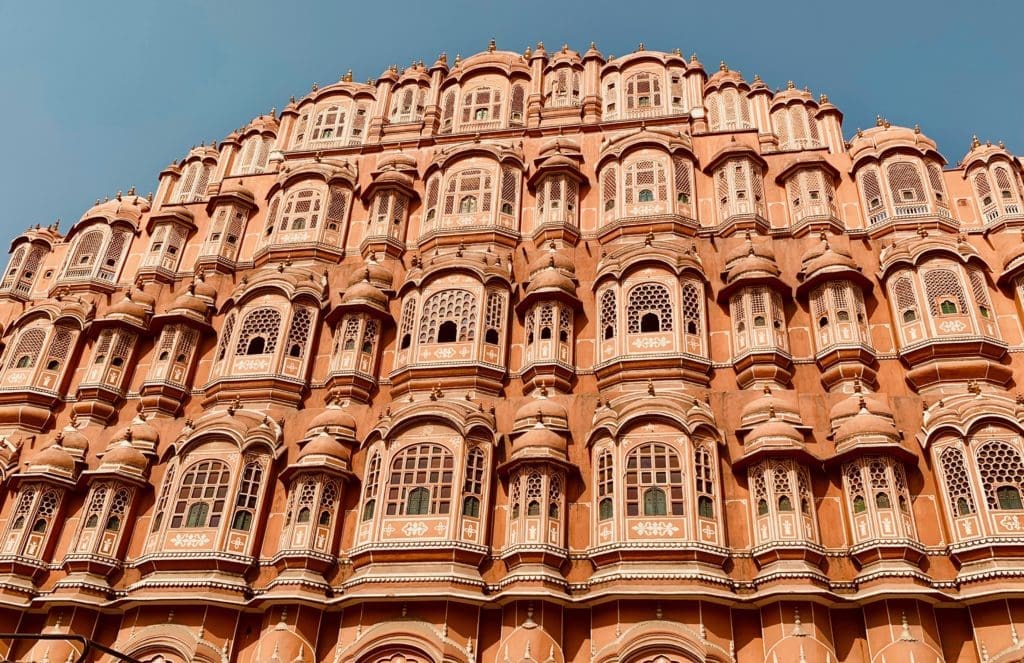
[[481, 105], [202, 495], [704, 480], [329, 124], [448, 112], [370, 489], [457, 308], [605, 486], [683, 182], [609, 190], [654, 465], [905, 183], [300, 331], [193, 182], [259, 332], [739, 189], [28, 348], [516, 106], [1002, 474], [421, 479], [646, 182], [254, 155], [248, 495], [469, 191], [407, 323], [302, 210], [643, 91], [728, 110], [609, 315], [473, 487], [945, 292], [85, 254], [871, 189], [649, 309], [957, 481]]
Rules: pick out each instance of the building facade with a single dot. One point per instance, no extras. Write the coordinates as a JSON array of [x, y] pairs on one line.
[[547, 357]]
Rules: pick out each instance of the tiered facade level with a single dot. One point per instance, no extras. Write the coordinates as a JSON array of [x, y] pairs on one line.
[[538, 357]]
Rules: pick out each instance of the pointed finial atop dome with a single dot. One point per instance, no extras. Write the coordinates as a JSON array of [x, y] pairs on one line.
[[879, 121], [640, 47], [790, 85], [347, 78], [722, 66], [823, 99], [975, 142], [491, 45]]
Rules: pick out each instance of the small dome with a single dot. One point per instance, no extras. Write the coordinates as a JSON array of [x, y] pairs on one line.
[[722, 76], [203, 289], [540, 441], [73, 440], [124, 456], [552, 259], [54, 458], [541, 410], [773, 432], [849, 407], [375, 273], [139, 432], [128, 309], [333, 418], [325, 445], [781, 405], [761, 248], [865, 424], [365, 292], [188, 302], [551, 280]]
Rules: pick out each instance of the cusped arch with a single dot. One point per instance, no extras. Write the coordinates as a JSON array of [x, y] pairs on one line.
[[661, 642], [327, 171], [467, 420], [690, 417], [246, 429], [294, 284], [447, 159], [381, 641], [160, 639], [673, 256], [671, 143], [963, 415]]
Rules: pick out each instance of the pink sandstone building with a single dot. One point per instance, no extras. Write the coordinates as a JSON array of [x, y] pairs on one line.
[[550, 357]]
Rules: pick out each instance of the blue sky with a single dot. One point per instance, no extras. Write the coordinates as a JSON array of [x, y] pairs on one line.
[[100, 96]]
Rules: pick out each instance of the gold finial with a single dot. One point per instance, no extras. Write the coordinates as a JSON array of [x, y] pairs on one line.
[[315, 86], [528, 53], [491, 46], [879, 121], [443, 58], [860, 132], [1001, 145], [540, 46], [640, 47], [917, 128], [757, 78], [823, 99], [975, 142], [458, 59], [291, 99], [722, 66], [565, 48], [988, 143], [131, 190], [593, 45], [693, 57], [650, 387], [886, 124], [347, 78], [790, 85], [677, 52]]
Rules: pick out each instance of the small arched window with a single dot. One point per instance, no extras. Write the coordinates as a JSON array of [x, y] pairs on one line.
[[259, 332], [957, 481], [605, 486], [649, 309], [609, 315], [418, 502]]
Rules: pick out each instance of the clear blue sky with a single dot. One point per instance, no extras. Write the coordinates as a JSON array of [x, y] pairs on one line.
[[100, 96]]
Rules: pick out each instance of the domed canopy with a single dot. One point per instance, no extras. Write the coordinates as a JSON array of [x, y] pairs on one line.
[[541, 410], [73, 441], [128, 311], [772, 438], [363, 295], [334, 419], [123, 458], [540, 442], [750, 263], [822, 261], [53, 462], [781, 405], [325, 445]]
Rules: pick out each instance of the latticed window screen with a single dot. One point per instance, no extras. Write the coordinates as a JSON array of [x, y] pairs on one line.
[[329, 124], [302, 209], [408, 321], [494, 316], [647, 299], [163, 500], [609, 188], [906, 299], [1002, 474], [27, 350], [299, 334], [370, 335], [650, 468], [13, 266], [942, 286], [259, 332], [455, 306], [225, 336], [957, 481], [473, 486], [201, 495], [370, 489], [605, 484], [254, 154], [407, 105], [935, 181], [609, 314], [643, 90], [509, 179], [704, 480], [905, 183], [448, 112], [351, 333], [300, 130], [421, 467], [516, 106], [677, 88], [872, 190], [980, 291], [24, 509], [469, 191], [983, 190], [728, 109], [481, 105], [1005, 182], [86, 254], [683, 180], [855, 488], [564, 88], [645, 182], [433, 194], [60, 347], [358, 125], [247, 496], [336, 208]]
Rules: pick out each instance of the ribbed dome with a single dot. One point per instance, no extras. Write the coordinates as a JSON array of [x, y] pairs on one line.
[[124, 456], [56, 459], [540, 441], [128, 309], [187, 302], [327, 445], [773, 432], [852, 406], [333, 418], [139, 431], [73, 440], [555, 259], [375, 273], [865, 424], [541, 410], [364, 292], [781, 405], [551, 280]]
